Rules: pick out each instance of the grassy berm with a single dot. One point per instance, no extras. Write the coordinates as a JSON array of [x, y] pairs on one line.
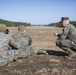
[[54, 63], [40, 65]]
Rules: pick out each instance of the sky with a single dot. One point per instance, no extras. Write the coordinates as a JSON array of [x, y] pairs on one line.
[[37, 11]]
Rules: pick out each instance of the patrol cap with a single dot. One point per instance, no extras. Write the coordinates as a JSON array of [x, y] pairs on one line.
[[2, 27], [64, 18], [21, 28]]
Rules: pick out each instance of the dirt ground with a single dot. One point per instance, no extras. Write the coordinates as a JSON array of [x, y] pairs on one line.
[[40, 65], [52, 63]]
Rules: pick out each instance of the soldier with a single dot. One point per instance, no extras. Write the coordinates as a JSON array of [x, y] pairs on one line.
[[21, 41], [67, 40], [6, 54], [4, 39]]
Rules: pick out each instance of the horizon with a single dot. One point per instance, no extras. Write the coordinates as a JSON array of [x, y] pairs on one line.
[[37, 12]]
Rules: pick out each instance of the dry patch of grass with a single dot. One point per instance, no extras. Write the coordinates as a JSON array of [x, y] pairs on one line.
[[43, 37], [40, 65]]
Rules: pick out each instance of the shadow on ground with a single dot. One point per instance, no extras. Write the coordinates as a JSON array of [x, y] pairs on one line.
[[56, 53]]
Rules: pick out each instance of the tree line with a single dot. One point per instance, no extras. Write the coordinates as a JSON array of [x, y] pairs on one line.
[[57, 24], [15, 24]]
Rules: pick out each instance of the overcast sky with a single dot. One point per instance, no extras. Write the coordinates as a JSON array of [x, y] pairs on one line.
[[37, 11]]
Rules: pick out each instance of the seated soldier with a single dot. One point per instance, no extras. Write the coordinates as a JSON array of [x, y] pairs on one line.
[[67, 40], [6, 55], [21, 41], [3, 36]]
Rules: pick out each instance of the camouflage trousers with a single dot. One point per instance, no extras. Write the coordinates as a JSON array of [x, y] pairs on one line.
[[21, 53], [7, 56], [66, 44]]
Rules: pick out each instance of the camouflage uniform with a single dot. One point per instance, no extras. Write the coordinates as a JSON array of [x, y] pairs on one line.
[[68, 38], [11, 48], [21, 42], [6, 55]]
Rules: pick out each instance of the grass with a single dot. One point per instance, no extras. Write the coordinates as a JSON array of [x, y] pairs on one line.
[[42, 37]]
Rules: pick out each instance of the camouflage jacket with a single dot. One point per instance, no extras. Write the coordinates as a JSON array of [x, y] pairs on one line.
[[69, 32], [4, 40], [20, 40]]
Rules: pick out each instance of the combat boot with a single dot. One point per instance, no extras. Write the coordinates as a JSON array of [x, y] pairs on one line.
[[71, 54]]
